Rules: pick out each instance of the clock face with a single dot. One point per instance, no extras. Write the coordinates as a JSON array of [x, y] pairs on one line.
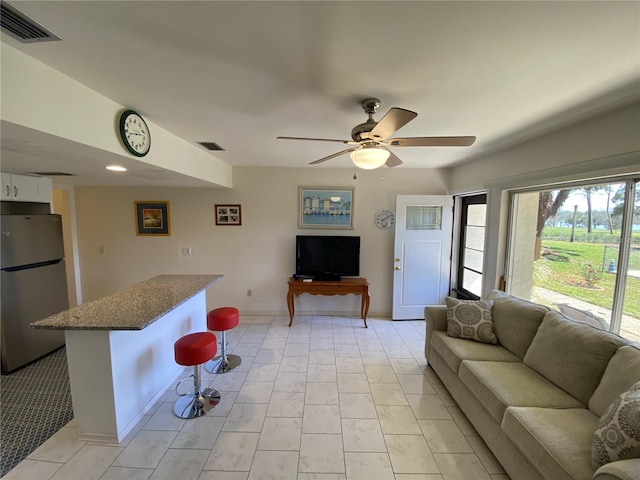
[[135, 133], [384, 219]]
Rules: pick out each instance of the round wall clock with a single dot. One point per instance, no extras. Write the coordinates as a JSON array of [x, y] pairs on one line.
[[135, 133], [384, 219]]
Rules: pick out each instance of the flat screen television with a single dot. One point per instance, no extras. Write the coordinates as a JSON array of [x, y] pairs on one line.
[[327, 257]]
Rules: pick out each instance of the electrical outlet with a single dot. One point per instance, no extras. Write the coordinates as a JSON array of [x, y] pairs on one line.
[[186, 250], [249, 292]]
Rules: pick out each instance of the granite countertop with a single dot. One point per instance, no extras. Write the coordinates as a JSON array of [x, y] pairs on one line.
[[133, 308]]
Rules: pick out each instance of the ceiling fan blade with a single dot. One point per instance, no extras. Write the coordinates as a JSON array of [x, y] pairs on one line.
[[432, 142], [317, 139], [329, 157], [393, 161], [394, 120]]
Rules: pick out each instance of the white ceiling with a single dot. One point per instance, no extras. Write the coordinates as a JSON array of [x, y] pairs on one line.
[[241, 73]]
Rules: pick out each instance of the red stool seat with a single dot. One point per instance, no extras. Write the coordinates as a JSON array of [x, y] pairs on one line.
[[195, 348], [220, 320], [223, 318]]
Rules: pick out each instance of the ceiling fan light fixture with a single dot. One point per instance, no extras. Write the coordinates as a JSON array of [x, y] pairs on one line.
[[369, 158]]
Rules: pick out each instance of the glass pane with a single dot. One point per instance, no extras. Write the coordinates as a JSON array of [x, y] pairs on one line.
[[477, 215], [630, 325], [473, 259], [563, 244], [421, 217], [474, 237], [472, 282]]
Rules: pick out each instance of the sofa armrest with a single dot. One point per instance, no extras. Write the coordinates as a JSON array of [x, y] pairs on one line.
[[435, 317], [619, 470]]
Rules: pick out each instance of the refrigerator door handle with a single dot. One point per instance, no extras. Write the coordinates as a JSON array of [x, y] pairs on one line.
[[33, 265]]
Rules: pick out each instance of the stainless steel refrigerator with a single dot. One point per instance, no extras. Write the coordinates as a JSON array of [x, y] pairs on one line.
[[33, 285]]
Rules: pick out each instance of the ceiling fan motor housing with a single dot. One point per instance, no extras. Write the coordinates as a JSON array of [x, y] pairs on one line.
[[370, 106], [365, 127]]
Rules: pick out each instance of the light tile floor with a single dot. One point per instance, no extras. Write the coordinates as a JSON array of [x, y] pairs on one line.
[[323, 400]]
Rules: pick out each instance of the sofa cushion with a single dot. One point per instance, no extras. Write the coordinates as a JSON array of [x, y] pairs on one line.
[[498, 385], [572, 355], [623, 370], [455, 350], [556, 441], [515, 321], [618, 434], [470, 319]]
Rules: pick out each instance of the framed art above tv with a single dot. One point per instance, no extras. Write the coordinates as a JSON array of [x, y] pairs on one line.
[[322, 207]]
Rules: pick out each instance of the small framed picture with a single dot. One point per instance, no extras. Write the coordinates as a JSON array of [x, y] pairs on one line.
[[152, 218], [228, 215]]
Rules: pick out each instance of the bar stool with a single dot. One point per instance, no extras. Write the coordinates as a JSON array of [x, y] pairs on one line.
[[192, 351], [220, 320]]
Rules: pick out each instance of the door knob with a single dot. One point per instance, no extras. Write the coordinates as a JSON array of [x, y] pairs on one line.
[[398, 268]]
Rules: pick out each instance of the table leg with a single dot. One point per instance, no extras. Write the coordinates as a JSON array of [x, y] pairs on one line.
[[365, 307], [290, 306]]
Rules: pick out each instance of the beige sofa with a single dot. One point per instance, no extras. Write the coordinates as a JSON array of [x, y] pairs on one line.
[[536, 397]]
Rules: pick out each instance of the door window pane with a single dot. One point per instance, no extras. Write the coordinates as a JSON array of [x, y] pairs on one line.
[[421, 217], [474, 237], [473, 259], [477, 214], [472, 281]]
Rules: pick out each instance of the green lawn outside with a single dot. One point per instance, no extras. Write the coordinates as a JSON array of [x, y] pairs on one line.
[[561, 270], [581, 235]]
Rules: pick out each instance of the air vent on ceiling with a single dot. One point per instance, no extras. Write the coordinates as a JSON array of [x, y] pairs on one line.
[[22, 28], [53, 174], [211, 146]]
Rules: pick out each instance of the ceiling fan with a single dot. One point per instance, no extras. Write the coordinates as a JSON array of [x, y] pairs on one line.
[[371, 139]]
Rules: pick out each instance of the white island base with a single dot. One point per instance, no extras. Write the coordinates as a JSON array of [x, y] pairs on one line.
[[116, 376]]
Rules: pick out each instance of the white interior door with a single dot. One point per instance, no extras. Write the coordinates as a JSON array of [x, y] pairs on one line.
[[422, 253]]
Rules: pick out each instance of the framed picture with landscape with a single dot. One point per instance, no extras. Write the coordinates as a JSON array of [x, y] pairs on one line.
[[321, 207], [152, 218]]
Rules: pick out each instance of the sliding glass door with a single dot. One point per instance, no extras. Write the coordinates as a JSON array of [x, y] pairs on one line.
[[576, 248]]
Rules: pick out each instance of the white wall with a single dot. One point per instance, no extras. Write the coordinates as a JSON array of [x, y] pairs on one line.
[[577, 146], [259, 255], [44, 99]]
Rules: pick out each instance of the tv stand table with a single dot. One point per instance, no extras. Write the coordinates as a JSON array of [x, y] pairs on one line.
[[346, 286]]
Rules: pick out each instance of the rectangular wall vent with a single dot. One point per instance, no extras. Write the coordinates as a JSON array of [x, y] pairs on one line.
[[212, 146], [22, 28]]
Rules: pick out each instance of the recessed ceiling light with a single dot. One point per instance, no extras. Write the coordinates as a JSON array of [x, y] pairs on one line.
[[116, 168]]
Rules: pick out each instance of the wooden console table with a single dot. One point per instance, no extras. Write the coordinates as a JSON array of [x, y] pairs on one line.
[[346, 286]]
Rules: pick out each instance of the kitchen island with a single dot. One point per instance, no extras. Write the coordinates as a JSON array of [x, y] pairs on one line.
[[120, 350]]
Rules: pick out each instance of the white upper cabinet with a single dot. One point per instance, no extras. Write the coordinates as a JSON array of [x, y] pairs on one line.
[[23, 188]]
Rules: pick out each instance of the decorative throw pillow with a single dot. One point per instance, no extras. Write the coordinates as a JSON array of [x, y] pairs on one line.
[[618, 434], [470, 319]]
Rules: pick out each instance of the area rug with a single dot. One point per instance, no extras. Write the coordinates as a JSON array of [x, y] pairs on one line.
[[35, 402]]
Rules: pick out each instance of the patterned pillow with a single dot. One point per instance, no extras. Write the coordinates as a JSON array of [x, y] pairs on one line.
[[618, 434], [470, 319]]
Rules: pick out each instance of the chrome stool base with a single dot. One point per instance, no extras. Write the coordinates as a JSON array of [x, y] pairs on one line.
[[223, 365], [193, 406]]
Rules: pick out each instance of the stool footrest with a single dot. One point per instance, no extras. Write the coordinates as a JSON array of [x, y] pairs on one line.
[[190, 391]]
